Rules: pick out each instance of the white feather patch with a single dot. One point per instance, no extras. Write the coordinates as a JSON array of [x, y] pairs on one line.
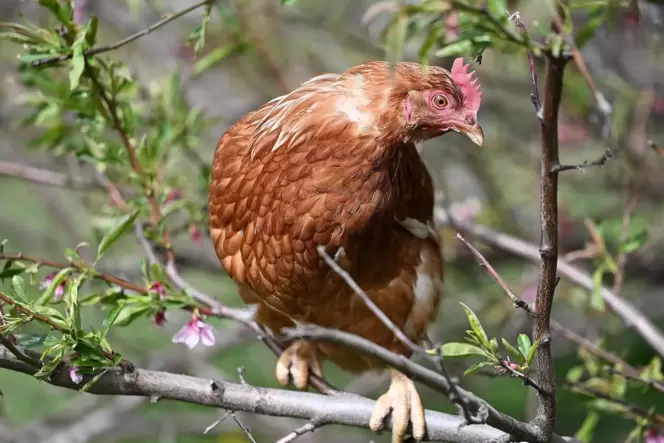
[[426, 289], [419, 229]]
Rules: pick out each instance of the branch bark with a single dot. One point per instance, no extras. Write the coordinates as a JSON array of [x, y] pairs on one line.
[[346, 409]]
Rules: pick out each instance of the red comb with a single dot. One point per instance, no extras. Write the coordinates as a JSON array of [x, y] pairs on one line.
[[467, 84]]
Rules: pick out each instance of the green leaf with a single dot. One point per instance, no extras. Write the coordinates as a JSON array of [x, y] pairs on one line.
[[18, 288], [531, 353], [596, 298], [511, 350], [635, 241], [59, 278], [396, 39], [31, 340], [86, 387], [476, 367], [77, 67], [455, 48], [216, 56], [493, 345], [587, 429], [497, 8], [524, 345], [119, 228], [110, 319], [596, 17], [455, 349], [71, 300], [130, 313], [476, 326], [9, 271], [91, 31]]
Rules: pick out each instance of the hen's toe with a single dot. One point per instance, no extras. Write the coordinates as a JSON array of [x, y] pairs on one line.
[[296, 362], [403, 401]]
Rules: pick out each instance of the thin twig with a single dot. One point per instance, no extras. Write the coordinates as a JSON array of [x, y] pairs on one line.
[[46, 177], [484, 262], [602, 103], [125, 41], [601, 161], [389, 324], [244, 428], [527, 380], [112, 280], [635, 410], [149, 191], [534, 95], [311, 426], [216, 422]]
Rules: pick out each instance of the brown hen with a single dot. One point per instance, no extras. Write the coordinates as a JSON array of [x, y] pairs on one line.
[[334, 163]]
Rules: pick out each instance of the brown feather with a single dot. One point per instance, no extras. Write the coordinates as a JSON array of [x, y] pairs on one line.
[[326, 165]]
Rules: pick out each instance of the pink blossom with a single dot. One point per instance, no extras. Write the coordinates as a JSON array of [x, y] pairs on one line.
[[74, 375], [193, 332], [80, 11], [46, 282], [173, 195], [158, 288], [159, 318], [451, 26], [466, 210], [572, 132], [654, 437], [195, 233]]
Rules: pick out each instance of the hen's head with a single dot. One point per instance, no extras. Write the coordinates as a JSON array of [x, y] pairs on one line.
[[428, 102]]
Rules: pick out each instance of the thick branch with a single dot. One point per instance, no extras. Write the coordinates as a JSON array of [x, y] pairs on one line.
[[517, 429], [348, 410], [546, 408]]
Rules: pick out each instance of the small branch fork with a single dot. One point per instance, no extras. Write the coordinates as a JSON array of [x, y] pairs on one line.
[[535, 96]]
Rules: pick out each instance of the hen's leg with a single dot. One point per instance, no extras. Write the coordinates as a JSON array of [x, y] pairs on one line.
[[404, 402], [296, 362]]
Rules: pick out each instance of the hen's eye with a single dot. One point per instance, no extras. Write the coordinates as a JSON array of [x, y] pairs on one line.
[[439, 101]]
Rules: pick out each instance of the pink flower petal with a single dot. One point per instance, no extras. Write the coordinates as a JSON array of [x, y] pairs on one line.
[[59, 292], [183, 333], [207, 335], [75, 376], [192, 340]]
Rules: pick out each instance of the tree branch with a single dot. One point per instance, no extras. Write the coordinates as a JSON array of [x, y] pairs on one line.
[[125, 41], [348, 410], [625, 310], [46, 177], [515, 428]]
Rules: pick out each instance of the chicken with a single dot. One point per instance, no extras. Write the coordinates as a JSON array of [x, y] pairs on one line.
[[334, 163]]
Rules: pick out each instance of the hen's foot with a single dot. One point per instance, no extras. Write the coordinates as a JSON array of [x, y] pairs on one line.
[[296, 362], [403, 401]]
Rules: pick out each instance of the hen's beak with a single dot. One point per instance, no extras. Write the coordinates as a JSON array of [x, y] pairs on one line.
[[474, 133]]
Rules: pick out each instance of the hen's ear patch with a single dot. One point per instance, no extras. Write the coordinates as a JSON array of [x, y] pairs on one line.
[[469, 86]]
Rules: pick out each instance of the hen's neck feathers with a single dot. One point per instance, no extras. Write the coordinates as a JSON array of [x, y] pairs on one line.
[[368, 96]]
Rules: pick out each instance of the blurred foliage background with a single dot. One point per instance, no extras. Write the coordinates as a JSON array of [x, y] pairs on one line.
[[258, 49]]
